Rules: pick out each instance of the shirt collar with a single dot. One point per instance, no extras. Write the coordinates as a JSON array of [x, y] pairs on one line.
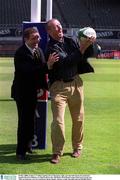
[[31, 50], [55, 41]]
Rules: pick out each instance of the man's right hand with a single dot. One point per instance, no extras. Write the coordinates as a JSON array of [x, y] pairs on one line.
[[54, 57]]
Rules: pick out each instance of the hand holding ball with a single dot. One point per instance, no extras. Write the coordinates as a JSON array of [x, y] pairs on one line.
[[86, 32], [86, 37]]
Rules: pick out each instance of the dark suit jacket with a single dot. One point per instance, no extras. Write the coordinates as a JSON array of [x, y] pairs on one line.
[[84, 66], [71, 61], [29, 74]]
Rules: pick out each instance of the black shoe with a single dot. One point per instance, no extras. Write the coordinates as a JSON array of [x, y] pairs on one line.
[[29, 150], [20, 157]]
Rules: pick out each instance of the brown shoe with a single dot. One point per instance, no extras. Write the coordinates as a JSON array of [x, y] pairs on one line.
[[76, 153], [55, 159]]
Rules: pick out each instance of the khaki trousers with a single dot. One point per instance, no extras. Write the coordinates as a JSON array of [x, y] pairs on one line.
[[63, 93]]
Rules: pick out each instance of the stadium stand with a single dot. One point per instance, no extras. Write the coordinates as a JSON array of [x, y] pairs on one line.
[[13, 12], [72, 13], [103, 15]]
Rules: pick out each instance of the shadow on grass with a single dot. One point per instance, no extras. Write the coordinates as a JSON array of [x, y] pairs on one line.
[[7, 155]]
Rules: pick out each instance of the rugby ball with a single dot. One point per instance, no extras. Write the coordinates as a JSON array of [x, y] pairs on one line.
[[86, 32]]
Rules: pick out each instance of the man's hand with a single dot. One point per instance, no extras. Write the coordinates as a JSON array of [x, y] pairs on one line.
[[84, 44], [54, 57]]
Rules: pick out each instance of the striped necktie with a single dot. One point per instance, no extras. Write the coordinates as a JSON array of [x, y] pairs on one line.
[[36, 54]]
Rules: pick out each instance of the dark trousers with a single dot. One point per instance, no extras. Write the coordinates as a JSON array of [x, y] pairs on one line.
[[25, 131]]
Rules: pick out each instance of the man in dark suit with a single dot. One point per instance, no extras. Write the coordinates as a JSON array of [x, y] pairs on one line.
[[29, 76]]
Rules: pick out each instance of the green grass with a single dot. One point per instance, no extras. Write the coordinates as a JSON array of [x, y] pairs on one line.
[[101, 153]]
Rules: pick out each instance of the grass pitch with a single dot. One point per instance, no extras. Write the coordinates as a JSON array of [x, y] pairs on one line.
[[101, 153]]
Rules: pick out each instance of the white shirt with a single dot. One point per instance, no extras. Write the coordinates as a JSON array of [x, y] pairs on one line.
[[31, 50]]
